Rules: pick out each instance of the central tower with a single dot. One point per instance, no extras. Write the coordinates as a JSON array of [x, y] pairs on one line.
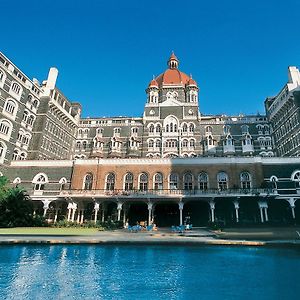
[[171, 110]]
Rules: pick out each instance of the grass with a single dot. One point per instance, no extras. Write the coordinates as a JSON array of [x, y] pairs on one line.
[[48, 231]]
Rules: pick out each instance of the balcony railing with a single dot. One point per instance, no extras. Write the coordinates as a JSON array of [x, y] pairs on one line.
[[166, 192]]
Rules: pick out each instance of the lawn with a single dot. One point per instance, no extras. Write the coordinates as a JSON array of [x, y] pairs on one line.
[[47, 231]]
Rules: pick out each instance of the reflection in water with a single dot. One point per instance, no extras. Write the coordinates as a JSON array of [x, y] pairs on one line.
[[148, 272]]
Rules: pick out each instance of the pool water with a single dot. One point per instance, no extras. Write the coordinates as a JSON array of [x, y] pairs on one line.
[[148, 272]]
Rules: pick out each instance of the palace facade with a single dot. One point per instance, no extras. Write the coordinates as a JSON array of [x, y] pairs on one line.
[[172, 165]]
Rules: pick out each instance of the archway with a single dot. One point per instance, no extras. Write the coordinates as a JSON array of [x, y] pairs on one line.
[[136, 212], [249, 211], [279, 211], [110, 211], [166, 214], [225, 211], [196, 213]]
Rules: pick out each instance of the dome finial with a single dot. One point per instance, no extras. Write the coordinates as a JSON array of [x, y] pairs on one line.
[[173, 61]]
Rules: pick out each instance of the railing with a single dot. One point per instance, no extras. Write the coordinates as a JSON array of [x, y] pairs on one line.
[[167, 192]]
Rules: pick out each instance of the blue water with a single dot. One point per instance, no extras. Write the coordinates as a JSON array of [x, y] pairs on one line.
[[148, 272]]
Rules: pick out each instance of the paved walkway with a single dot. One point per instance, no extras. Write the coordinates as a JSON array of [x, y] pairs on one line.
[[195, 237]]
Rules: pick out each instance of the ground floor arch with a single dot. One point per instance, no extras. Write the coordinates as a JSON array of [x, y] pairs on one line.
[[166, 214], [136, 212], [249, 210], [196, 213], [225, 212], [279, 212]]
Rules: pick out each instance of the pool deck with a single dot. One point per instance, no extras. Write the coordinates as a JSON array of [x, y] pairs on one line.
[[279, 237]]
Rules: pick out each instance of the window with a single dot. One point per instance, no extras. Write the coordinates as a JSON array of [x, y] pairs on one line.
[[222, 179], [30, 120], [1, 76], [88, 181], [208, 130], [143, 182], [35, 103], [5, 127], [110, 182], [191, 128], [78, 145], [25, 116], [184, 143], [99, 131], [296, 177], [158, 181], [245, 129], [128, 182], [15, 155], [158, 128], [158, 144], [173, 181], [134, 130], [151, 128], [184, 127], [16, 88], [245, 180], [192, 144], [11, 107], [188, 181], [23, 156], [63, 183], [39, 182], [150, 144], [2, 151], [203, 181], [226, 129]]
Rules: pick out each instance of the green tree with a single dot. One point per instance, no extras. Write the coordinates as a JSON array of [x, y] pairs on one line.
[[15, 207]]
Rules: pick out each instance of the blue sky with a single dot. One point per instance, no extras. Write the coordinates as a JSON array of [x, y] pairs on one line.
[[108, 51]]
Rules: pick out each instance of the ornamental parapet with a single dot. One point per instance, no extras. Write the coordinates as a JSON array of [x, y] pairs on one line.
[[166, 193]]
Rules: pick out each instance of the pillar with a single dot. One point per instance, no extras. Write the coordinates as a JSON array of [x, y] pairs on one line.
[[266, 213], [103, 213], [56, 213], [236, 207], [96, 208], [150, 206], [82, 216], [261, 214], [74, 208], [212, 210], [180, 205], [45, 207], [69, 212], [78, 216], [292, 205], [119, 208]]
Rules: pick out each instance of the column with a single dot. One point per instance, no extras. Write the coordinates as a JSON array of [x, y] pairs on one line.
[[56, 214], [103, 213], [119, 208], [292, 205], [96, 208], [150, 206], [212, 210], [82, 216], [180, 205], [236, 207], [69, 211], [74, 208], [266, 213], [78, 216], [261, 212], [45, 207], [124, 215]]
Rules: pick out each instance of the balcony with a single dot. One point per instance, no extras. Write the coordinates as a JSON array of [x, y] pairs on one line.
[[166, 193]]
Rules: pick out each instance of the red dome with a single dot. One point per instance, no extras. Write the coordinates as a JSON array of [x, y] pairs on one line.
[[153, 83], [172, 76], [192, 82]]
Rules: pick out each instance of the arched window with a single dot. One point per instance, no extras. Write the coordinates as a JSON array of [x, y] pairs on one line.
[[184, 143], [203, 181], [188, 181], [88, 181], [10, 107], [128, 182], [110, 182], [35, 103], [78, 145], [191, 128], [245, 129], [63, 183], [15, 155], [158, 181], [2, 151], [158, 144], [39, 182], [208, 130], [151, 128], [192, 144], [245, 179], [150, 144], [84, 144], [143, 182], [23, 156], [30, 120], [173, 181], [16, 88], [184, 127], [5, 127], [296, 177], [1, 76], [158, 128], [222, 179]]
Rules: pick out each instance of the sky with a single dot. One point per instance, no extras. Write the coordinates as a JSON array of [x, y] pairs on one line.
[[108, 51]]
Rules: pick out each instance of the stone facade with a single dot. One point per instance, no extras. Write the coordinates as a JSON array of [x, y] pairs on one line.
[[172, 164]]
